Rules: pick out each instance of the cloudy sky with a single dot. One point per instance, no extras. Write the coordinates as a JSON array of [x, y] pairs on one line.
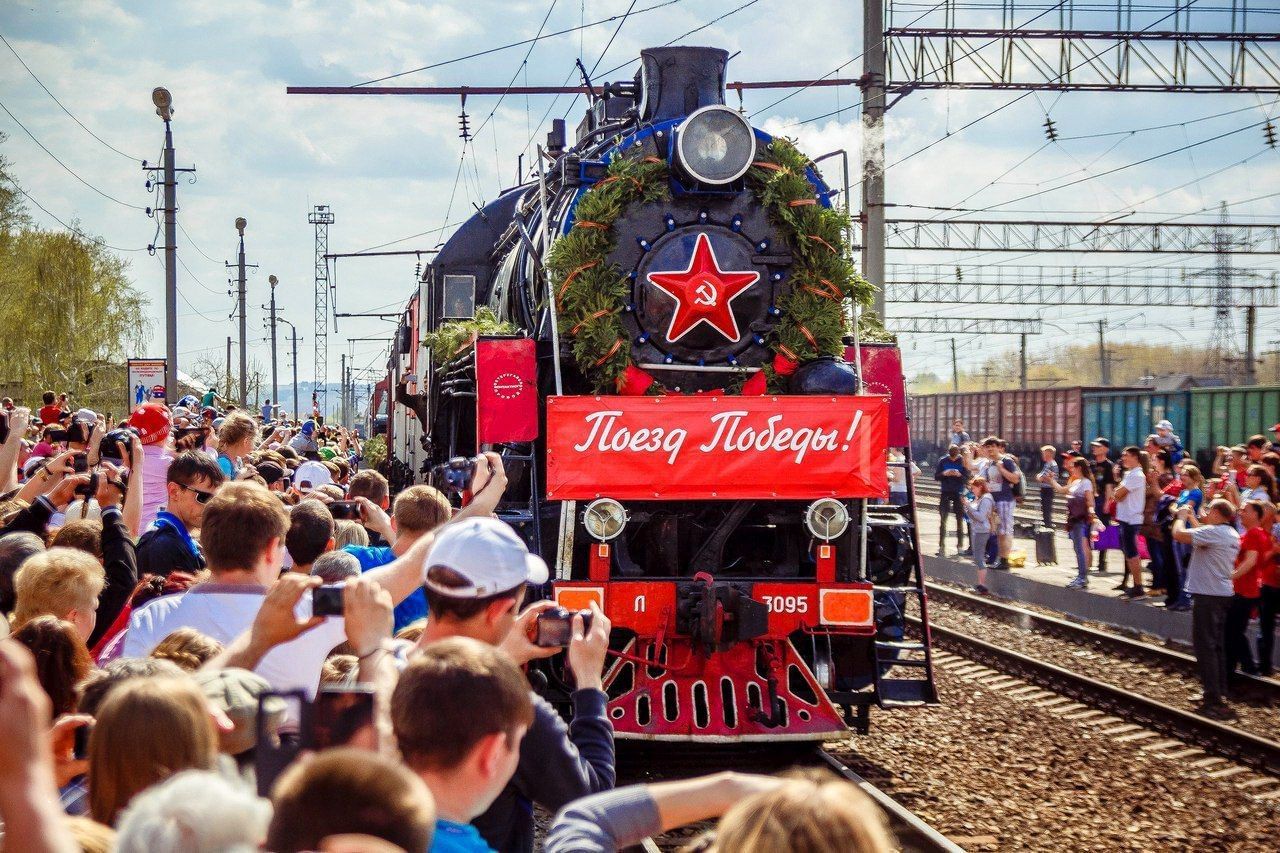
[[390, 167]]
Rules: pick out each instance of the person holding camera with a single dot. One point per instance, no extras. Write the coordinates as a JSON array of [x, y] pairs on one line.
[[475, 581], [1215, 545], [417, 512]]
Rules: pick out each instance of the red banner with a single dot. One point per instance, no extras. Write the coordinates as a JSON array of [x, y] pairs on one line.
[[506, 390], [725, 448]]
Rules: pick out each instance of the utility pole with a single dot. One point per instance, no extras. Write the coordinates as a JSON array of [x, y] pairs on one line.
[[873, 106], [1250, 345], [164, 108], [244, 364], [294, 333], [987, 373], [1104, 365], [955, 367], [1022, 361], [228, 394], [342, 398], [275, 385]]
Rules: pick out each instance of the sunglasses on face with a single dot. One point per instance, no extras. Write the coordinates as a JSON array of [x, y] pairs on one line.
[[201, 497]]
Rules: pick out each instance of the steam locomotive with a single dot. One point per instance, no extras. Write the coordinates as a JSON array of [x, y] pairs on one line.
[[677, 269]]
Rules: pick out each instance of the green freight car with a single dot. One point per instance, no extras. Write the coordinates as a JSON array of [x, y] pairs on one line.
[[1227, 416]]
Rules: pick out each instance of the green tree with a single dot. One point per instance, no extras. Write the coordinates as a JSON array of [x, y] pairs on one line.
[[69, 313]]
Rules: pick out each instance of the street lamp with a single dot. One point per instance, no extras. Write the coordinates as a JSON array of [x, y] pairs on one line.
[[164, 102], [275, 386]]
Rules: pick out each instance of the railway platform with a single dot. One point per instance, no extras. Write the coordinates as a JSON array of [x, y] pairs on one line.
[[1045, 585]]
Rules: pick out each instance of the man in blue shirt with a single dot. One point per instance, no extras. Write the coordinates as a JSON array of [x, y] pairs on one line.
[[465, 750], [417, 511]]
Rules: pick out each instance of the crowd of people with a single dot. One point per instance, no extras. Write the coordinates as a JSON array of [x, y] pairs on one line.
[[1211, 544], [225, 635]]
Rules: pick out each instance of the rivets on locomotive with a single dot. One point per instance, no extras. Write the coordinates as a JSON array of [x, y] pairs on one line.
[[702, 216], [644, 244], [775, 311], [776, 276], [643, 338], [668, 359], [736, 223], [762, 245], [758, 340], [671, 222]]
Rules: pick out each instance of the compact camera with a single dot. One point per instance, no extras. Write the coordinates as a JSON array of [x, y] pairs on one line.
[[555, 626], [455, 475]]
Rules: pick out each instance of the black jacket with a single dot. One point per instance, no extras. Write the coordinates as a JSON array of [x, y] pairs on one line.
[[120, 561], [558, 764], [162, 550]]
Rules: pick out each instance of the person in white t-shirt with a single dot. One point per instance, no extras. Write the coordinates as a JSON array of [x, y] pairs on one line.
[[1131, 500], [242, 534]]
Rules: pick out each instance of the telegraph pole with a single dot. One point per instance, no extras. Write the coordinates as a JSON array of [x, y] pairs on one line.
[[1022, 361], [228, 395], [955, 368], [342, 397], [1104, 366], [244, 364], [294, 332], [1250, 345], [873, 105], [164, 108], [275, 386]]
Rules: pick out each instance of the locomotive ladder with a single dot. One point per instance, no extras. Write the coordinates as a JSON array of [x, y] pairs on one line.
[[916, 656]]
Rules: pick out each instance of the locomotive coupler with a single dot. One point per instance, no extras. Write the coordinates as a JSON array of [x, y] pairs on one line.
[[718, 614]]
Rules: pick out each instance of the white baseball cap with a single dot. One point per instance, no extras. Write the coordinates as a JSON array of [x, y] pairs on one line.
[[1164, 425], [317, 473], [487, 554]]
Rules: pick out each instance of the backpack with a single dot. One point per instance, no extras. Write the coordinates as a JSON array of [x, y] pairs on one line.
[[1020, 484]]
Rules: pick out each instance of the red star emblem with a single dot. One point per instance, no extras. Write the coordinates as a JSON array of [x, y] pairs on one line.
[[703, 293]]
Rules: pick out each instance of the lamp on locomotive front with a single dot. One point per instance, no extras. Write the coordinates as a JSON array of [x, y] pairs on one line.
[[604, 519], [827, 519], [715, 145]]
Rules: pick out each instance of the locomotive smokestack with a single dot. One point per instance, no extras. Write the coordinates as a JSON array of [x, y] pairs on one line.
[[675, 81]]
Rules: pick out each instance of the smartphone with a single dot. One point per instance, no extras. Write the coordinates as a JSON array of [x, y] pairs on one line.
[[345, 510], [282, 720], [80, 748], [338, 715], [327, 600]]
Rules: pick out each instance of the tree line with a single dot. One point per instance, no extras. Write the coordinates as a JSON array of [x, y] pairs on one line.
[[70, 315]]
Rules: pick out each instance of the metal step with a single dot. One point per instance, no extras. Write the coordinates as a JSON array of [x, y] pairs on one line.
[[903, 590], [892, 662], [897, 521], [906, 691], [900, 645]]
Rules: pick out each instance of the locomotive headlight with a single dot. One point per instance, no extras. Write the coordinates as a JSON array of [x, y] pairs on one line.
[[826, 519], [715, 145], [604, 519]]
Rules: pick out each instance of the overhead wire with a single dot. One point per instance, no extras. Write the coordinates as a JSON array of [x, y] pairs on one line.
[[514, 44], [1092, 58], [61, 106], [69, 170], [79, 232]]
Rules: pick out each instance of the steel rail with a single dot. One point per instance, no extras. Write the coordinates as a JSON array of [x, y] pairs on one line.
[[1085, 635], [1243, 747], [913, 834]]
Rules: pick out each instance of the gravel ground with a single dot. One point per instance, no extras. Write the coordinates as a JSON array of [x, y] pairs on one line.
[[994, 773], [1170, 685]]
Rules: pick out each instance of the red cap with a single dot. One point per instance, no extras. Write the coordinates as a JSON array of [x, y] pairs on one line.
[[151, 420]]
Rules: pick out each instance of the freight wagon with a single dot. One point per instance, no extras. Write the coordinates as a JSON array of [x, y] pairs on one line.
[[1204, 417], [1028, 420]]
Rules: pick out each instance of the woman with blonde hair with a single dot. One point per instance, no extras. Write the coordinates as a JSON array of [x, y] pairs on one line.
[[188, 648], [805, 813], [146, 730]]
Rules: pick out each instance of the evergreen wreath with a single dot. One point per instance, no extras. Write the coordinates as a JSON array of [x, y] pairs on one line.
[[591, 294]]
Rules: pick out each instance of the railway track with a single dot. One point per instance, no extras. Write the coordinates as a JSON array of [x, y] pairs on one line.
[[1247, 749], [1089, 637], [913, 834]]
